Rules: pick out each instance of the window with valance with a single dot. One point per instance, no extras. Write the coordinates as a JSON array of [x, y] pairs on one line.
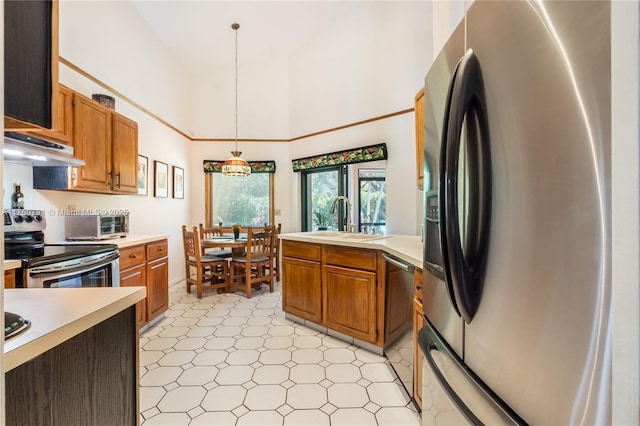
[[247, 200]]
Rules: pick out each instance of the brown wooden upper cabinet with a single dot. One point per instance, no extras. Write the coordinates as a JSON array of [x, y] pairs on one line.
[[108, 144], [105, 140], [419, 118], [30, 64]]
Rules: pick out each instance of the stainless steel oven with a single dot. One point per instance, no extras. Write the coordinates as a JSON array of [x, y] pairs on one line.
[[56, 265], [100, 267]]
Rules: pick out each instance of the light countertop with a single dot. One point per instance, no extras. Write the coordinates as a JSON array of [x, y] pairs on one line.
[[405, 247], [58, 314], [130, 240], [11, 264]]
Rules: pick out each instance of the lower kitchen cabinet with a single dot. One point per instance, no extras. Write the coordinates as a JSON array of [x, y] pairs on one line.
[[157, 288], [134, 277], [10, 278], [147, 265], [418, 323], [303, 295], [349, 301], [338, 287]]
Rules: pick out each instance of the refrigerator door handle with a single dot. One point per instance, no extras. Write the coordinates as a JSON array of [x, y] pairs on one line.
[[442, 213], [473, 399], [467, 259]]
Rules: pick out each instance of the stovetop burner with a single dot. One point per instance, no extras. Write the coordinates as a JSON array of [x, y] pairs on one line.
[[14, 324]]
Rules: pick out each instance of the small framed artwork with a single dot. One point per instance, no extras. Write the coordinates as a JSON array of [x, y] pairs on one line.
[[143, 167], [178, 182], [161, 184]]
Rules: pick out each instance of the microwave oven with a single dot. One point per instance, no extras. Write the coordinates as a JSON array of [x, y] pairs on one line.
[[96, 226]]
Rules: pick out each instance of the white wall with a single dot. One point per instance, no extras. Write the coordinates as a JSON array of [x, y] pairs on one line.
[[263, 106], [361, 69]]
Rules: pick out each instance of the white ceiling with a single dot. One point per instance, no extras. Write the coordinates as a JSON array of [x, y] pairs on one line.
[[199, 32]]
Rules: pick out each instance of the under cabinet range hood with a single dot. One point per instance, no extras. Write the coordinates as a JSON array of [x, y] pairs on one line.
[[32, 151]]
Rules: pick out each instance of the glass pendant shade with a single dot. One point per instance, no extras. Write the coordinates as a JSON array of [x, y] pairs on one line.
[[236, 166]]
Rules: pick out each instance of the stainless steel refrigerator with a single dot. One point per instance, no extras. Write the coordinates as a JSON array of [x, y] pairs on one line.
[[517, 252]]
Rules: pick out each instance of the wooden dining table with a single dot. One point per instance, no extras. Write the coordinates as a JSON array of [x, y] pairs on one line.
[[237, 246]]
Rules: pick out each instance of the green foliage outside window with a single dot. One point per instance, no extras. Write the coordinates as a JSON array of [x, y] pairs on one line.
[[324, 189], [243, 200]]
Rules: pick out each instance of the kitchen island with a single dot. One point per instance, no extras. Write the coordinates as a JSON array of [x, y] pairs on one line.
[[338, 283], [78, 362], [405, 247]]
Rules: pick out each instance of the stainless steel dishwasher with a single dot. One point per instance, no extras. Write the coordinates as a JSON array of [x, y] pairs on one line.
[[398, 327]]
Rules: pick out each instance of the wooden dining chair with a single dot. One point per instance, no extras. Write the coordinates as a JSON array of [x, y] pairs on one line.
[[256, 266], [211, 272], [277, 229], [210, 232]]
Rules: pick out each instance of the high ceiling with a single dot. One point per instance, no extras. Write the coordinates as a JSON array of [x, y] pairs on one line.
[[200, 35]]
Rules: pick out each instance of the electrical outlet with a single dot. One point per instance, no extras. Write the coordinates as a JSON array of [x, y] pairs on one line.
[[71, 207], [277, 212]]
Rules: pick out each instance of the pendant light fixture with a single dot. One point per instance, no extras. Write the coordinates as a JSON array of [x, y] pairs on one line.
[[236, 166]]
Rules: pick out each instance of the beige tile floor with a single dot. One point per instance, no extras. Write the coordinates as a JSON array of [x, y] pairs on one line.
[[229, 360]]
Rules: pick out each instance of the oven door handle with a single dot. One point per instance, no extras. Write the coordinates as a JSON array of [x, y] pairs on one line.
[[64, 270]]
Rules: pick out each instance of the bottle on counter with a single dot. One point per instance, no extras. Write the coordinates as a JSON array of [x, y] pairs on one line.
[[17, 198]]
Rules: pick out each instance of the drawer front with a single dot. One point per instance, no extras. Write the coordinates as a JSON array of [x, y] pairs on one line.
[[350, 257], [157, 250], [132, 256], [301, 250]]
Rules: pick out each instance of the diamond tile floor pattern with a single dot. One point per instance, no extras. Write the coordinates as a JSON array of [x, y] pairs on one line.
[[229, 360]]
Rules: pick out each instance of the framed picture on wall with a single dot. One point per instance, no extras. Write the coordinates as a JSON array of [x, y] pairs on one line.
[[143, 167], [161, 172], [178, 182]]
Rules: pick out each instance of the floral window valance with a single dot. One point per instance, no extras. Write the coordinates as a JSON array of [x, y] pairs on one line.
[[350, 156], [215, 166]]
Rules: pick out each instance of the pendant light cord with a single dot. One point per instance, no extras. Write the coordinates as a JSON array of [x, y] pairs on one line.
[[236, 31]]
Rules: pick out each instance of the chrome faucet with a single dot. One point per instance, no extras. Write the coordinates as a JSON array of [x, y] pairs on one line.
[[350, 226]]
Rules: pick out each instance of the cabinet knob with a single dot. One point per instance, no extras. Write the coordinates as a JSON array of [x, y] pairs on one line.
[[132, 256]]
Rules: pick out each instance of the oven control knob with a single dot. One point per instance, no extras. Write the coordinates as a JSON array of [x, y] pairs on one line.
[[17, 219], [37, 218], [28, 218]]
